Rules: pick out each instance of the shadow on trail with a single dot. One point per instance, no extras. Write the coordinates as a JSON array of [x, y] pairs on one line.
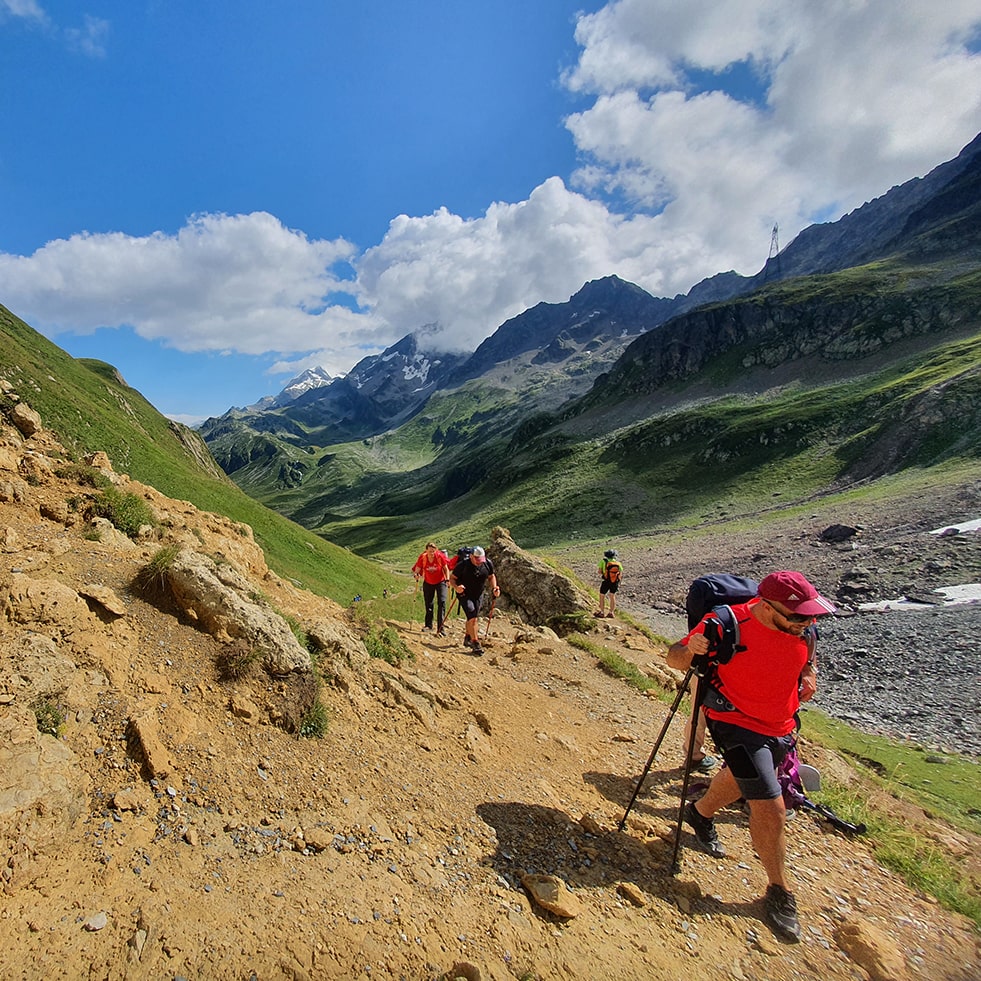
[[660, 796], [536, 839]]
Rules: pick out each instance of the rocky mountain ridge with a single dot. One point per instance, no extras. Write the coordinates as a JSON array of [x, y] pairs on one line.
[[611, 310], [576, 389]]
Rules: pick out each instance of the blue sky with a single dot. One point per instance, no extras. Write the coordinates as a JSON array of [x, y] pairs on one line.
[[214, 196]]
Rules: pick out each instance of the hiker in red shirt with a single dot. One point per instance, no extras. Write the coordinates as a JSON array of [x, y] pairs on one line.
[[750, 703], [432, 567]]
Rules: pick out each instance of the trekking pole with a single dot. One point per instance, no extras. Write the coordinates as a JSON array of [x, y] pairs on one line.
[[836, 822], [699, 696], [657, 745], [489, 615], [449, 610]]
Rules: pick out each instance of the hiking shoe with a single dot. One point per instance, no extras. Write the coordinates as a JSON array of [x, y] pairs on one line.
[[600, 614], [609, 616], [705, 833], [781, 911], [477, 650], [705, 764], [467, 642]]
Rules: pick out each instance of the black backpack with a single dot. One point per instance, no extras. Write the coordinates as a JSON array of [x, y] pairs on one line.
[[718, 592]]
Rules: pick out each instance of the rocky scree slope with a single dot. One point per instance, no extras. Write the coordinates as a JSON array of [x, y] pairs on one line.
[[458, 818]]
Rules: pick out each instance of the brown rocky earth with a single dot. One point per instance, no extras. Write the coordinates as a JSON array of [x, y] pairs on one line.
[[459, 818]]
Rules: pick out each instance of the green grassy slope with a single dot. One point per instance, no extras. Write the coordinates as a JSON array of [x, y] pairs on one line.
[[91, 408]]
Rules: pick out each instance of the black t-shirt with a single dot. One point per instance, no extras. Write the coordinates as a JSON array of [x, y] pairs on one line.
[[472, 577]]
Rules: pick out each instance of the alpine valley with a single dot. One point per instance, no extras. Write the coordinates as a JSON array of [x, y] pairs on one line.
[[854, 353]]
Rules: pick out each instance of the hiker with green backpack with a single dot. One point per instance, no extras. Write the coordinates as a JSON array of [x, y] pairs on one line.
[[611, 571], [752, 692]]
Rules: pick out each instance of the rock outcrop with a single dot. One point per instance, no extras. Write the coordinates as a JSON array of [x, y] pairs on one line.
[[536, 591], [76, 640]]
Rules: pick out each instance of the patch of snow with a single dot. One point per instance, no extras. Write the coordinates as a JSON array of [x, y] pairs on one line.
[[419, 370], [974, 525], [966, 594]]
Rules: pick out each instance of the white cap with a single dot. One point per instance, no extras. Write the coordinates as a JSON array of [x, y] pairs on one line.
[[478, 551]]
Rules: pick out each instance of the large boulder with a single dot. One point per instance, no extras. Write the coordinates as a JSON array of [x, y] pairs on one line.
[[341, 655], [536, 591], [222, 602]]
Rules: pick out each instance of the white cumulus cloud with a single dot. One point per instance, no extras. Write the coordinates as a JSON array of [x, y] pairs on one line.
[[242, 283], [709, 122]]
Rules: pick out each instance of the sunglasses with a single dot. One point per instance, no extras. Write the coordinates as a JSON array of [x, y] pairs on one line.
[[791, 617]]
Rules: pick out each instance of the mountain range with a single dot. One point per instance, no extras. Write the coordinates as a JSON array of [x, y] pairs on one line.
[[574, 388], [382, 390]]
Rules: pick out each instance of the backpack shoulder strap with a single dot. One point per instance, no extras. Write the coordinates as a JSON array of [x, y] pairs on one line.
[[727, 642]]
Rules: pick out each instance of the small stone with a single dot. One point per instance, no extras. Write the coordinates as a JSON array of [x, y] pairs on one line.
[[552, 894], [95, 922]]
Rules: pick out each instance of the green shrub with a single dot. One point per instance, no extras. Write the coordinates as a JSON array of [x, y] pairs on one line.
[[128, 512], [387, 645], [49, 716]]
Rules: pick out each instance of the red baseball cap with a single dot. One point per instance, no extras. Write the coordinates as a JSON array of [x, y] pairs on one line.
[[793, 591]]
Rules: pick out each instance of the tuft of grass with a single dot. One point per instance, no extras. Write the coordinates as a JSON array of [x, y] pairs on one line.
[[613, 664], [941, 784], [151, 579], [315, 721], [565, 624], [127, 511], [386, 644], [236, 661], [83, 474], [920, 861], [299, 632], [49, 715]]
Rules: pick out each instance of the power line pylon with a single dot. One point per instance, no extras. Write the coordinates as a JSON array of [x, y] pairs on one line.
[[774, 256]]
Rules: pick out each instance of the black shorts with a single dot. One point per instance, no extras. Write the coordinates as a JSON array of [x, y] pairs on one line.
[[470, 606], [753, 758], [608, 587]]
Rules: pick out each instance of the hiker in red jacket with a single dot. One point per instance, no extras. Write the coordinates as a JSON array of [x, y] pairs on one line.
[[432, 567], [750, 703]]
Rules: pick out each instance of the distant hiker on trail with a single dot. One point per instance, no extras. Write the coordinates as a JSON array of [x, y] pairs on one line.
[[610, 570], [433, 568], [468, 578], [750, 702]]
